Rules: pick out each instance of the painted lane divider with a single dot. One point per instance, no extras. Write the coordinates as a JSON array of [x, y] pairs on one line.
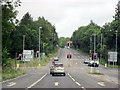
[[37, 81], [76, 82], [56, 83], [101, 83], [11, 84]]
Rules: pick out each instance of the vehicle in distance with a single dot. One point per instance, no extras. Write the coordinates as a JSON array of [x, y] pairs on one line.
[[58, 69], [94, 63], [52, 69], [69, 55], [86, 61], [56, 58]]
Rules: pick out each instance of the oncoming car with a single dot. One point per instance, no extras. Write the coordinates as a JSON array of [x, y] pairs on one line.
[[56, 58], [58, 69]]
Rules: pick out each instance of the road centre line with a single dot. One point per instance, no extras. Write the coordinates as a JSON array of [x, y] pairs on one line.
[[76, 82], [37, 81]]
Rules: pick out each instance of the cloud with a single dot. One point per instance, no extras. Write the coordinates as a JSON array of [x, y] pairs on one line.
[[68, 15]]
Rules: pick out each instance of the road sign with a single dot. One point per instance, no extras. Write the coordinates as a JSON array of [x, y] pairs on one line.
[[28, 55], [112, 56]]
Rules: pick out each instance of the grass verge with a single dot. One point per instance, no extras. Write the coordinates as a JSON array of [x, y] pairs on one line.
[[12, 73], [103, 62], [36, 62]]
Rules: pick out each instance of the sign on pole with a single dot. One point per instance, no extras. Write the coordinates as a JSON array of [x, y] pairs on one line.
[[112, 56], [28, 55]]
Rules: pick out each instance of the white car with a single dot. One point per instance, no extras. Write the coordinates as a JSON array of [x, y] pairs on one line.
[[56, 58], [58, 69], [93, 63]]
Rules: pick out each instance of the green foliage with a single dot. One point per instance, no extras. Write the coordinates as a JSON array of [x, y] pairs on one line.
[[63, 41], [82, 37]]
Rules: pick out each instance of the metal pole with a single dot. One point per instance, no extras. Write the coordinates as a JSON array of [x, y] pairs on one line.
[[116, 41], [39, 41], [94, 48], [101, 47], [23, 49], [23, 45]]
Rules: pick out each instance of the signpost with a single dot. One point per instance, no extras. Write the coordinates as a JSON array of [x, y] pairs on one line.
[[28, 55], [112, 57]]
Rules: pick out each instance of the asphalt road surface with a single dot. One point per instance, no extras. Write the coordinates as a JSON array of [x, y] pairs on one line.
[[77, 75]]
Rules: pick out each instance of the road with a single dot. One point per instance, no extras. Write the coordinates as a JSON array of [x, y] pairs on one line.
[[77, 75]]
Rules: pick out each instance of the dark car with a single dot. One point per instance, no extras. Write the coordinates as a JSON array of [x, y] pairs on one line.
[[69, 55]]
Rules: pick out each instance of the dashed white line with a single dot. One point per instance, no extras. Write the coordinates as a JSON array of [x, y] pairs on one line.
[[11, 84], [37, 81], [101, 83], [73, 79], [56, 83], [78, 83]]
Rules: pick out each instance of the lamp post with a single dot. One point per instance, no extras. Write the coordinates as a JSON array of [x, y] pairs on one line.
[[101, 44], [23, 46], [39, 41], [116, 40]]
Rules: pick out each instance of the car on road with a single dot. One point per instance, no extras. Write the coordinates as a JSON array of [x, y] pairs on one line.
[[52, 69], [58, 69], [86, 60], [69, 55], [94, 63], [56, 58]]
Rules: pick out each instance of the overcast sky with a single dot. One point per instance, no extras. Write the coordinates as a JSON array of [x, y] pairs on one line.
[[68, 15]]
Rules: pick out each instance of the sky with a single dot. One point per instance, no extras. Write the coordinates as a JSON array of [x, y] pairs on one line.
[[69, 15]]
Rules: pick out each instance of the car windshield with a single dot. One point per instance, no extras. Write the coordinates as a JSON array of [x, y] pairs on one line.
[[58, 65]]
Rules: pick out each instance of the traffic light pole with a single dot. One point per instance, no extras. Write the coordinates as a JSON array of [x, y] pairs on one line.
[[94, 48]]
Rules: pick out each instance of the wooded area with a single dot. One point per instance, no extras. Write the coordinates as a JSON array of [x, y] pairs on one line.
[[82, 38], [13, 31]]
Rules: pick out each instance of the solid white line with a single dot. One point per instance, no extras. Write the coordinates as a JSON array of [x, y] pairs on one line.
[[37, 81], [78, 83]]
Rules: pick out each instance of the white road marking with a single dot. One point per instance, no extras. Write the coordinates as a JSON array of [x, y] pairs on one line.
[[56, 83], [101, 83], [78, 83], [37, 81], [11, 84], [73, 79]]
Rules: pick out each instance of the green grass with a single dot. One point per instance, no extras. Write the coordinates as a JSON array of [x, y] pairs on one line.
[[96, 73], [103, 62], [35, 63], [11, 74]]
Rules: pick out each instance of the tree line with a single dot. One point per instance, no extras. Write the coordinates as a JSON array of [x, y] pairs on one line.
[[13, 31], [82, 38]]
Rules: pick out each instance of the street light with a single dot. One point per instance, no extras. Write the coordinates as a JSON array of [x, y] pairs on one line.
[[23, 45], [116, 40], [101, 44], [39, 42]]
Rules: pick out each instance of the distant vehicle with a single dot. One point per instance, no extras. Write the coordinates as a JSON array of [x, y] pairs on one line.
[[68, 47], [69, 55], [86, 61], [93, 63], [58, 69], [56, 58], [51, 69]]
